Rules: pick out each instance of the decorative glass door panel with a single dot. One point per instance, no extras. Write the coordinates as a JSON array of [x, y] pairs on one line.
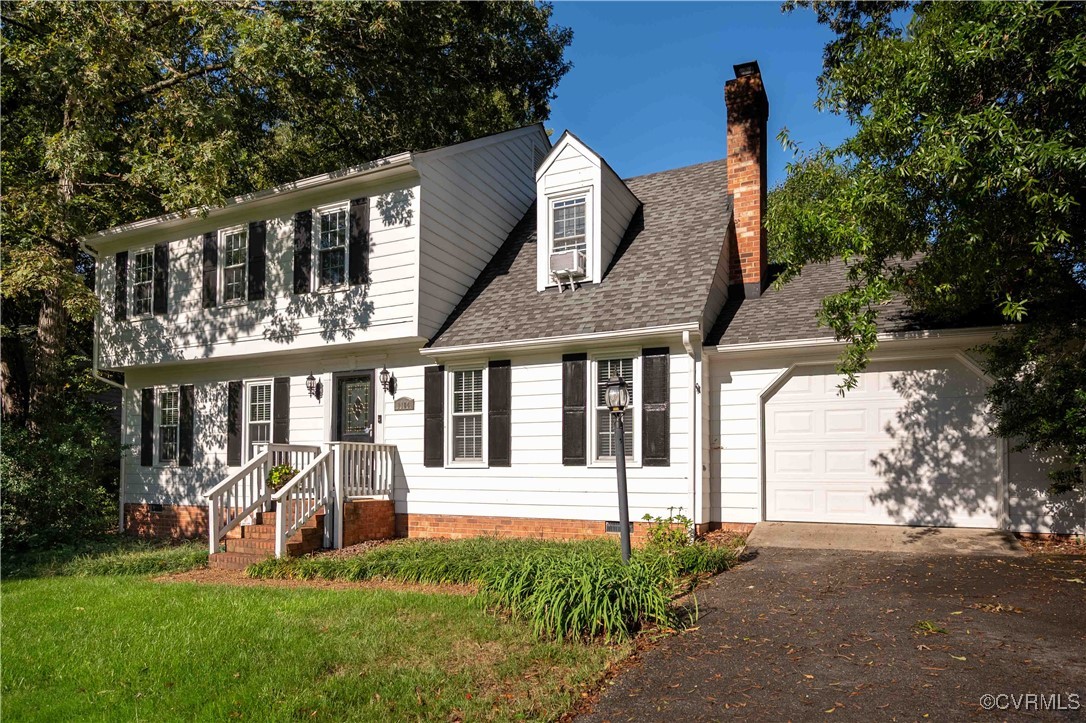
[[354, 402]]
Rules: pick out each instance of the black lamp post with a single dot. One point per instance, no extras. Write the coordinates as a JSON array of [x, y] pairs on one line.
[[618, 396]]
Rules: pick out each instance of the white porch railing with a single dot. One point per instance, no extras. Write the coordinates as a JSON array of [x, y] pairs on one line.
[[245, 492], [329, 475], [301, 498], [365, 469]]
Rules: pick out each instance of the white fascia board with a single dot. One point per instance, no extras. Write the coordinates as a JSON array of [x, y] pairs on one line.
[[375, 170], [973, 335], [583, 341], [567, 139]]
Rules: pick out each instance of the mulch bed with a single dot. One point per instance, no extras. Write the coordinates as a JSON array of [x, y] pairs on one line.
[[1062, 545]]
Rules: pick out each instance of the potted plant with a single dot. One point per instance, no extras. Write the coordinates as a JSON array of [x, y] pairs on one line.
[[278, 476]]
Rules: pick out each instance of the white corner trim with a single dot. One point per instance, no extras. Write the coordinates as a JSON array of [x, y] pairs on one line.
[[564, 342]]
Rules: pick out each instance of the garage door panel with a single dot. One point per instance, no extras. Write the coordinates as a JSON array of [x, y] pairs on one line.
[[910, 445]]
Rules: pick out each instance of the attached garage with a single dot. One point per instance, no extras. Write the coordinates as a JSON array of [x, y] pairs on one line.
[[910, 445]]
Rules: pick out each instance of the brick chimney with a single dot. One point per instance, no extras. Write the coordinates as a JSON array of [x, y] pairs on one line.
[[748, 112]]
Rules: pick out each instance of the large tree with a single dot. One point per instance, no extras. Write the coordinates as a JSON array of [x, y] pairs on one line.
[[114, 111], [961, 188]]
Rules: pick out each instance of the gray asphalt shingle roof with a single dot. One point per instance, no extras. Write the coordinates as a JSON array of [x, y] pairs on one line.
[[661, 274], [789, 313]]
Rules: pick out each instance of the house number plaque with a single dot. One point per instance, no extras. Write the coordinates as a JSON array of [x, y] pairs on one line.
[[404, 404]]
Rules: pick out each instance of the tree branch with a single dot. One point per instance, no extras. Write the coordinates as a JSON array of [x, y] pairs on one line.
[[170, 82]]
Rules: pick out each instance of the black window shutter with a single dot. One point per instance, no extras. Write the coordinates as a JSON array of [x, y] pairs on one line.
[[120, 293], [281, 410], [433, 435], [185, 432], [162, 276], [499, 382], [655, 407], [574, 409], [147, 426], [358, 252], [211, 269], [258, 234], [303, 251], [233, 424]]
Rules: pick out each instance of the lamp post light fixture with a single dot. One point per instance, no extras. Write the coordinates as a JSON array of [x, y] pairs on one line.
[[618, 396]]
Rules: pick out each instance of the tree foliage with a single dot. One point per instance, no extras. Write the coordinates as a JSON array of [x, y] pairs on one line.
[[116, 111], [961, 188]]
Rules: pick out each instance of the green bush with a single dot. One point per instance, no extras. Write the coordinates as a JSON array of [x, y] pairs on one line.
[[58, 487], [563, 589]]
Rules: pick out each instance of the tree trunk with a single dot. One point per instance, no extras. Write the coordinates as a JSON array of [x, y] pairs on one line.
[[13, 391], [49, 358]]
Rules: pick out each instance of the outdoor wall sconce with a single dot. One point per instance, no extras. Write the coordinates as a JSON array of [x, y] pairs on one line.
[[388, 381], [314, 387], [618, 396]]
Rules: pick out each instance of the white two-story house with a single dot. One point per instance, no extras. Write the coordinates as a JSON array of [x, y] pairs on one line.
[[426, 339]]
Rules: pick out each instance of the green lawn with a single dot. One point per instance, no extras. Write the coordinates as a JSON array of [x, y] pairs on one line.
[[128, 648]]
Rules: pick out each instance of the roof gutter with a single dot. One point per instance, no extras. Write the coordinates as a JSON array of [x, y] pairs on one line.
[[973, 334], [377, 169], [587, 339]]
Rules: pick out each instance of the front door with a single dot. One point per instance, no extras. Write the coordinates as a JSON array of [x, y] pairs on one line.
[[354, 407]]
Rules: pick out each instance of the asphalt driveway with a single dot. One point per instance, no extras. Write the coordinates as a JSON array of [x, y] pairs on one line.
[[807, 634]]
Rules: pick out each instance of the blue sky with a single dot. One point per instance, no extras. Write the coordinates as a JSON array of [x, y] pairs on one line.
[[647, 86]]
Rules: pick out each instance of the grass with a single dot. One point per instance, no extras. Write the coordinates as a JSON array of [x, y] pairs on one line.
[[122, 647], [115, 555], [565, 590]]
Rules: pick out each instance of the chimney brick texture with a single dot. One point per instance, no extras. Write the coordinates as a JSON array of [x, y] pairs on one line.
[[748, 113]]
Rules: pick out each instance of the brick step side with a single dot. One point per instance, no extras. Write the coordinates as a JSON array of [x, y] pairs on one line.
[[234, 560], [257, 542]]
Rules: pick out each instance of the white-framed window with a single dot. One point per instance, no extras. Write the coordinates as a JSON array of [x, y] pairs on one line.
[[234, 261], [628, 366], [568, 224], [169, 424], [258, 413], [142, 274], [467, 431], [331, 227]]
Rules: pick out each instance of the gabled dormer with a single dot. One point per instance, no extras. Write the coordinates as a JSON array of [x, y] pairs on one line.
[[583, 209]]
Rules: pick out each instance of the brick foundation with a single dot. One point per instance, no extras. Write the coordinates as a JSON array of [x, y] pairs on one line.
[[365, 520], [459, 526], [170, 522]]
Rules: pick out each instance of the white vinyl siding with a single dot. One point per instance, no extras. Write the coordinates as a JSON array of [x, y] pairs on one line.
[[143, 282], [235, 254], [604, 448], [467, 416], [568, 224], [332, 232], [169, 418]]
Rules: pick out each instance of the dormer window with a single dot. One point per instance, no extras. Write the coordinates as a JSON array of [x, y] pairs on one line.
[[569, 215], [569, 238]]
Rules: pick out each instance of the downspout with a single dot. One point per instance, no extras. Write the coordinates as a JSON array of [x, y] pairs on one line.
[[695, 441], [124, 395]]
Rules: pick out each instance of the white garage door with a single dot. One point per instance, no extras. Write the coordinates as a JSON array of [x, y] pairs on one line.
[[909, 446]]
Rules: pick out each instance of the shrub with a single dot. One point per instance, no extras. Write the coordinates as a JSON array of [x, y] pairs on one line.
[[110, 556], [563, 589], [59, 487]]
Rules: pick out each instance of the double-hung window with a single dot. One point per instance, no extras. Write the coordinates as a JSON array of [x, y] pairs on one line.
[[605, 420], [143, 281], [259, 408], [332, 231], [568, 225], [235, 253], [467, 415], [169, 425]]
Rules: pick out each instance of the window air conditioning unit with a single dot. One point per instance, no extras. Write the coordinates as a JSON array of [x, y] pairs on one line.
[[568, 264]]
